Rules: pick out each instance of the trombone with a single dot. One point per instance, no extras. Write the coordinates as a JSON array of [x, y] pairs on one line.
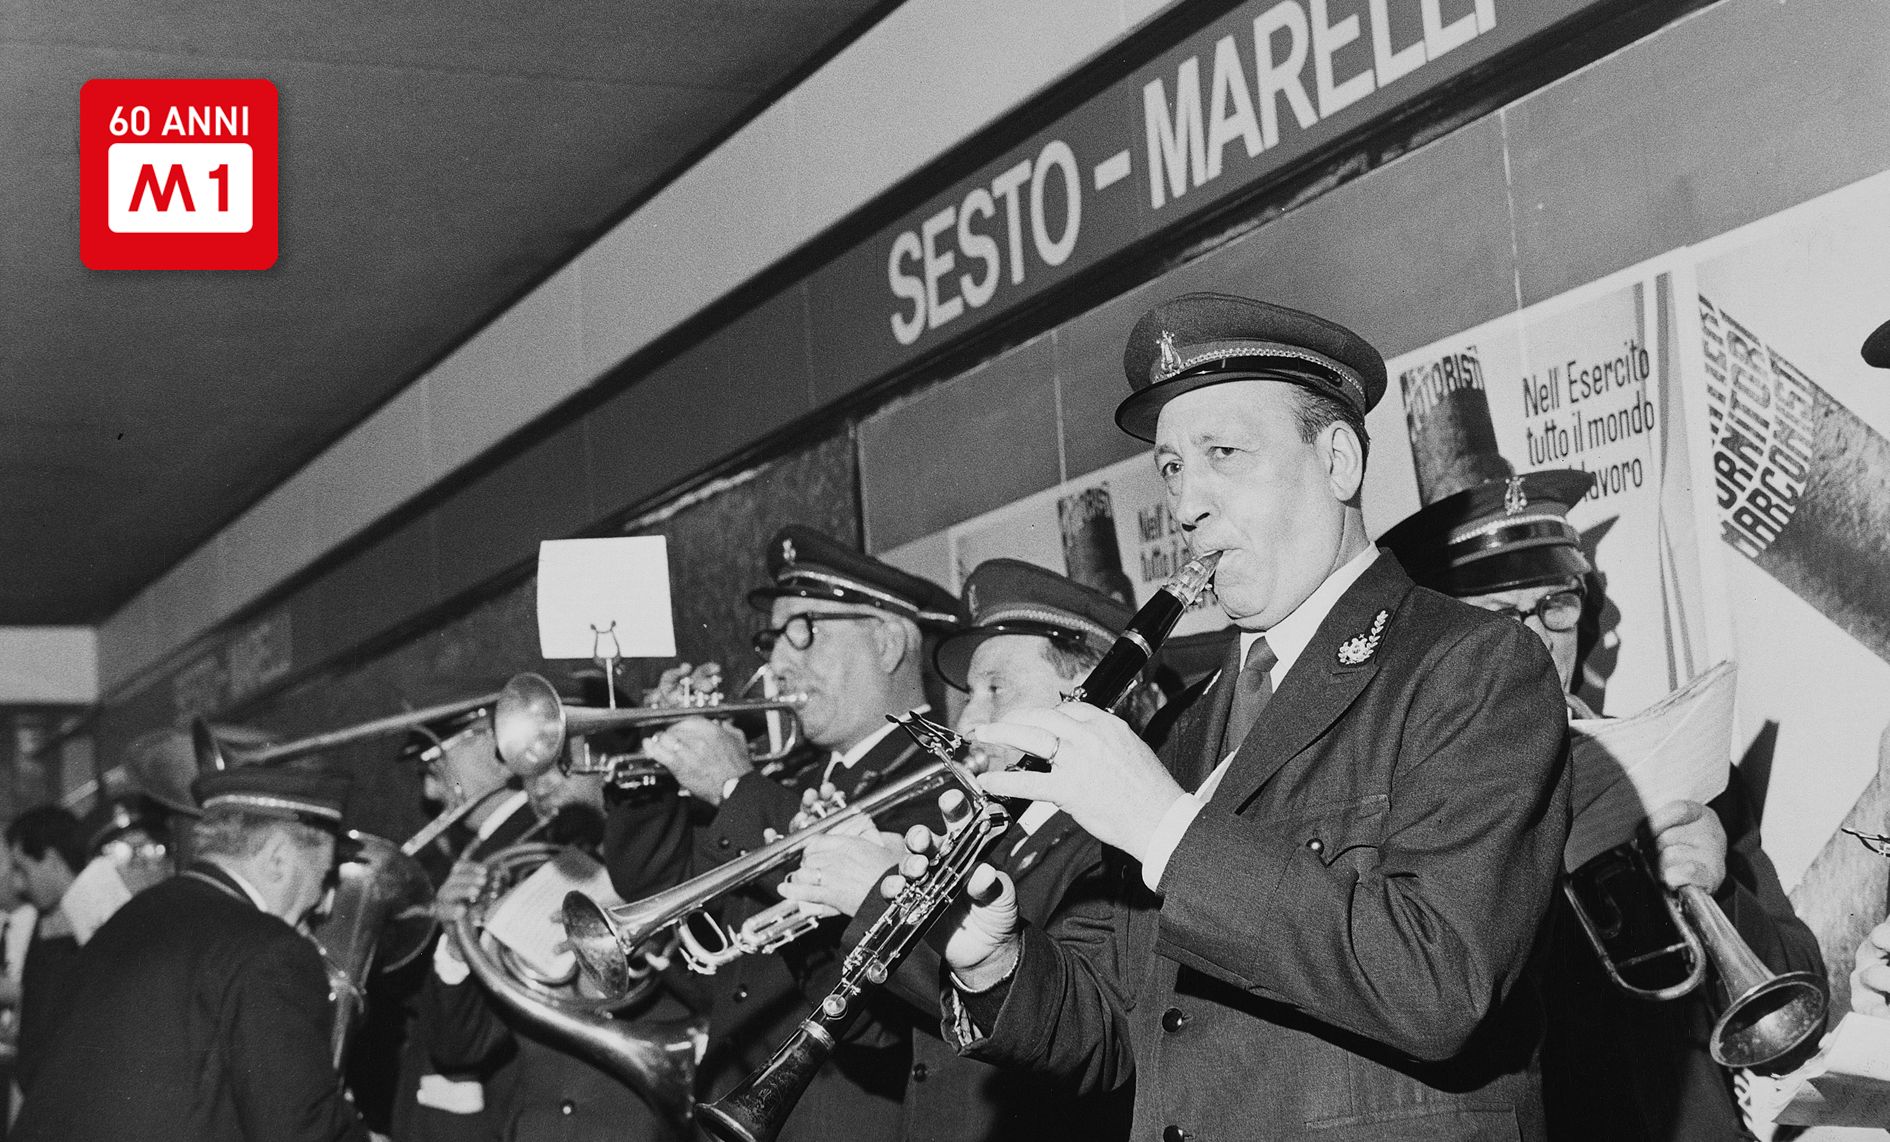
[[1657, 945], [213, 753], [531, 725]]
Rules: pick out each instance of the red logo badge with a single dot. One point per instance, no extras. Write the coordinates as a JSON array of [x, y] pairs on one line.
[[177, 174]]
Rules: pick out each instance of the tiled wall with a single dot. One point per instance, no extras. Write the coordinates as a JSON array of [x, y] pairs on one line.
[[1733, 114], [717, 547]]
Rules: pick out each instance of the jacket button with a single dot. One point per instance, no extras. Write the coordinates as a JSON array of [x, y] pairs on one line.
[[741, 992], [721, 842], [567, 1107], [1174, 1019], [1173, 1134], [919, 1071], [1316, 845]]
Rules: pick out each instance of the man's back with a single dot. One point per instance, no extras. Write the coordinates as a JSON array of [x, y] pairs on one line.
[[195, 1015]]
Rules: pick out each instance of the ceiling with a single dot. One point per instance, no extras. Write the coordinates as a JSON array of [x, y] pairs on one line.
[[438, 158]]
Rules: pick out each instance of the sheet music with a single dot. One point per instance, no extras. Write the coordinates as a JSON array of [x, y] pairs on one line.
[[1847, 1084], [1680, 748], [525, 921]]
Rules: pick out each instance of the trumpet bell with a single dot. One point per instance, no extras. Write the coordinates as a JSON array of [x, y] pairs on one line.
[[528, 725], [1768, 1019], [594, 940]]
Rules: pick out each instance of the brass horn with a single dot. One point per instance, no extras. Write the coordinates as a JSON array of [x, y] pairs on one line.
[[604, 939], [1766, 1017], [377, 918], [214, 753], [531, 723], [1657, 945], [657, 1060]]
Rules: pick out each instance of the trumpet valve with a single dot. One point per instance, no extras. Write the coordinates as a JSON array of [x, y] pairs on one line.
[[776, 926]]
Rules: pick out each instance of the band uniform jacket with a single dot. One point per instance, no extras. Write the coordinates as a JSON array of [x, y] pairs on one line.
[[1344, 944], [755, 1002], [197, 1016], [1620, 1067], [1060, 875]]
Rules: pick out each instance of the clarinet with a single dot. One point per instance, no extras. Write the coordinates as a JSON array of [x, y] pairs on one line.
[[759, 1106]]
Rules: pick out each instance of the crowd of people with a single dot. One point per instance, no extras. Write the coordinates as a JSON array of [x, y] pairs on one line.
[[1317, 892]]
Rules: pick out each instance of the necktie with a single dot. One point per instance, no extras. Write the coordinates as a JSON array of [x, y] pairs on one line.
[[1251, 691]]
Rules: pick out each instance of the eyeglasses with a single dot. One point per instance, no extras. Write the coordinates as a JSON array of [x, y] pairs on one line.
[[1558, 612], [799, 630]]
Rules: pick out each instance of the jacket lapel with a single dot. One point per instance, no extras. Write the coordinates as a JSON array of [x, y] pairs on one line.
[[1322, 682]]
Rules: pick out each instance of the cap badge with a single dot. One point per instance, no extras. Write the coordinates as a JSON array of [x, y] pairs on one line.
[[1514, 499], [787, 551], [1358, 649], [1168, 362]]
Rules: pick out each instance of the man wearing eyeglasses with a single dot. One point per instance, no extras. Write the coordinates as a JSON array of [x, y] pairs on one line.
[[846, 632], [1614, 1066]]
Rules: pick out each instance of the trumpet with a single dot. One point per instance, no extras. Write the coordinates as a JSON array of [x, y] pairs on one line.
[[531, 725], [760, 1104], [605, 938]]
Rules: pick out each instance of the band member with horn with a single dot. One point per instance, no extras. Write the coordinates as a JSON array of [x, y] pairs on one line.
[[1034, 636], [199, 1010], [1350, 838], [545, 1088], [847, 631], [1614, 1065], [46, 845], [461, 765]]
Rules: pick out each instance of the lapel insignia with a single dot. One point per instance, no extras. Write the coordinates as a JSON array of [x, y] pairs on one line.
[[1358, 649], [1168, 363], [1514, 498]]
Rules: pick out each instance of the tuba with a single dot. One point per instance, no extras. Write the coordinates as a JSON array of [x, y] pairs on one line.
[[657, 1060], [378, 917]]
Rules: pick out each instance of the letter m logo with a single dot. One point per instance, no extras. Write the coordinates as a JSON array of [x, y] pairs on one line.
[[174, 183]]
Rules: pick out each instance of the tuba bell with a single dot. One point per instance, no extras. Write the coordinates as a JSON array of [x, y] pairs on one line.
[[655, 1059]]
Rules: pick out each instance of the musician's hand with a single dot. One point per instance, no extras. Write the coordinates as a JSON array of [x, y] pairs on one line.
[[1100, 772], [816, 804], [681, 684], [1870, 978], [463, 886], [1691, 843], [839, 870], [983, 941], [703, 755]]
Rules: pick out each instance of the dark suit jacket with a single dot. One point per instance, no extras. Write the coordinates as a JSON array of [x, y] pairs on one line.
[[1342, 945], [1619, 1067], [195, 1016], [1060, 874], [46, 982], [756, 1001]]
